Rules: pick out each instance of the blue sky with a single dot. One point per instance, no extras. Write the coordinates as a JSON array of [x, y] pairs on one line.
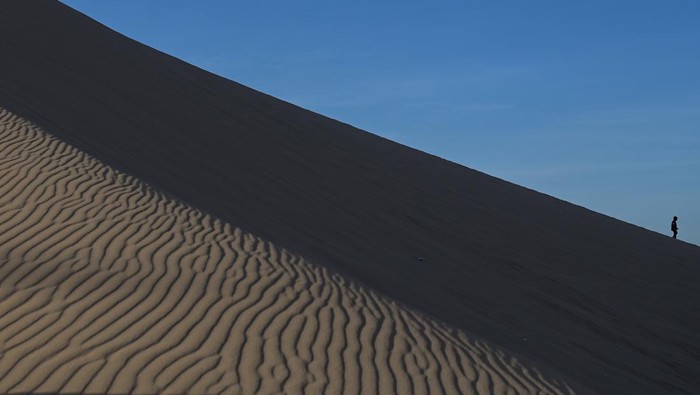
[[594, 102]]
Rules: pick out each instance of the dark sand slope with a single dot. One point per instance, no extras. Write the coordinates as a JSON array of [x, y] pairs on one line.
[[107, 286], [611, 305]]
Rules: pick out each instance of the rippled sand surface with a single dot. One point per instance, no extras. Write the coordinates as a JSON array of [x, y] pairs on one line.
[[109, 286]]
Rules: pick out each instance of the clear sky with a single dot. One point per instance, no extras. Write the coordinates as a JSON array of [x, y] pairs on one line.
[[594, 102]]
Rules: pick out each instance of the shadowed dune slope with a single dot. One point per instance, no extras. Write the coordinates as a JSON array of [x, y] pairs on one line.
[[609, 304], [107, 286]]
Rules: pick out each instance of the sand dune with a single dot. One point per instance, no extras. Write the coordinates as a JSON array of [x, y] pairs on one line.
[[599, 302], [108, 286]]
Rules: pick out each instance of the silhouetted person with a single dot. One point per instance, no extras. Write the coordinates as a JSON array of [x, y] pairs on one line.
[[674, 227]]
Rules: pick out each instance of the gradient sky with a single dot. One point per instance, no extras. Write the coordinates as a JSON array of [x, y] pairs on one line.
[[594, 102]]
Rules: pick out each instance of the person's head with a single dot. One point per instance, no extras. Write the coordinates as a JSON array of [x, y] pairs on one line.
[[675, 218]]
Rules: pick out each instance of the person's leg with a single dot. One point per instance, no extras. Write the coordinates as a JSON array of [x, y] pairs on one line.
[[675, 232]]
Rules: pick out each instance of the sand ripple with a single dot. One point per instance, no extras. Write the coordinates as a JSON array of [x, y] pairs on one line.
[[107, 285]]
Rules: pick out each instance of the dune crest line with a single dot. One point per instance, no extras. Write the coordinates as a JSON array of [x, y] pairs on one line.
[[107, 285]]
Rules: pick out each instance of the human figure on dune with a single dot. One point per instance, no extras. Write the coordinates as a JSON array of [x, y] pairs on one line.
[[674, 227]]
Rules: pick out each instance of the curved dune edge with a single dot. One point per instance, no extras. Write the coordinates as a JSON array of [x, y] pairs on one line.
[[108, 286]]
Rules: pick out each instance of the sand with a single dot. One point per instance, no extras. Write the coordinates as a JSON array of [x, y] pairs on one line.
[[109, 286], [595, 302]]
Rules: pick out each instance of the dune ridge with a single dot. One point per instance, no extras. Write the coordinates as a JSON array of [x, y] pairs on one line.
[[109, 286], [604, 303]]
